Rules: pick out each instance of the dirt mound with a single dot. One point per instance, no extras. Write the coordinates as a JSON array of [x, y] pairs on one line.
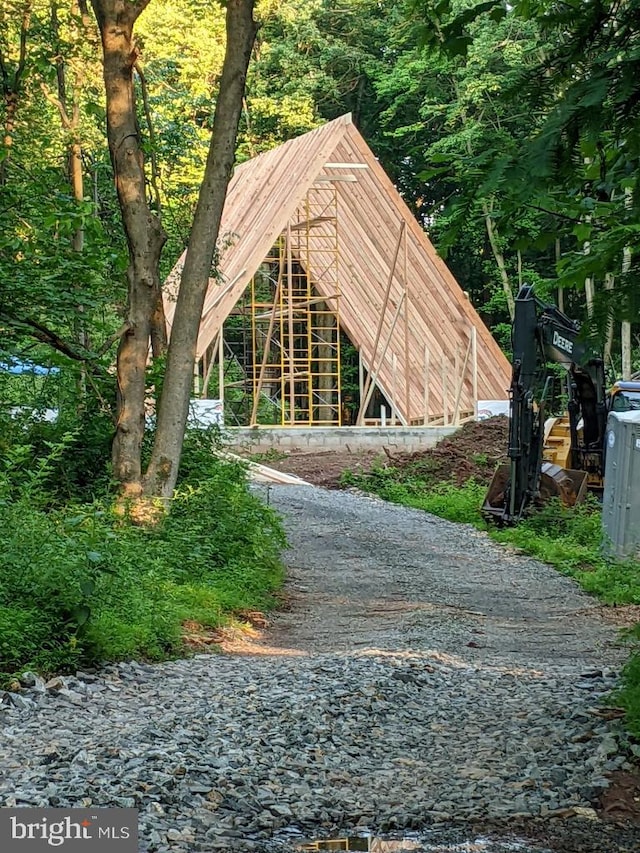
[[473, 451]]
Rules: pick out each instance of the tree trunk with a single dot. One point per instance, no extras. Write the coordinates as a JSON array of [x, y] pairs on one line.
[[162, 473], [145, 236], [159, 339], [609, 284], [499, 257], [69, 111], [12, 86], [625, 343]]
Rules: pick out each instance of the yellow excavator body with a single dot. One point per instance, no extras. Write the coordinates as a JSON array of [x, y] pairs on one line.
[[557, 452]]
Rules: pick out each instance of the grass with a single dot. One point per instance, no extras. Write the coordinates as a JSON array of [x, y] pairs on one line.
[[568, 539]]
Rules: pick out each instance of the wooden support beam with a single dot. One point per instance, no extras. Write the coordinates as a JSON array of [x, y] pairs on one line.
[[474, 369], [394, 387], [221, 367], [443, 369], [346, 166], [374, 375], [383, 311], [407, 368], [196, 378], [425, 399], [297, 306], [207, 377], [267, 346], [456, 408]]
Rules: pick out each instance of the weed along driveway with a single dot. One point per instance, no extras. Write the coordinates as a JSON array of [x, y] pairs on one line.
[[422, 683]]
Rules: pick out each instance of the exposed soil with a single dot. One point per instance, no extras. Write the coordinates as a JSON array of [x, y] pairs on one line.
[[474, 451], [325, 467]]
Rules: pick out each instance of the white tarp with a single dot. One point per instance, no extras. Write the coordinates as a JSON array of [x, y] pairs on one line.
[[491, 408], [206, 413]]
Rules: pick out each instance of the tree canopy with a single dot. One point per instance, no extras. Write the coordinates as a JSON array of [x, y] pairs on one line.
[[510, 129]]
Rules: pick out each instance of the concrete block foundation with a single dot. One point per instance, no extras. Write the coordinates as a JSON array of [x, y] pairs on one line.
[[313, 439]]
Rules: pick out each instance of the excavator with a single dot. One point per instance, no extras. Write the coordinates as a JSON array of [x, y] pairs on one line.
[[557, 456]]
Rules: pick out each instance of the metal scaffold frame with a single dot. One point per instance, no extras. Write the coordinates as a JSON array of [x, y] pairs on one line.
[[296, 333]]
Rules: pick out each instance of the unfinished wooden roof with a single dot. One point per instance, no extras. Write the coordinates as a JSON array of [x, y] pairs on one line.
[[399, 303]]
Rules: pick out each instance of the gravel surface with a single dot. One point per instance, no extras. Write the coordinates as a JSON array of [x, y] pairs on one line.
[[422, 677]]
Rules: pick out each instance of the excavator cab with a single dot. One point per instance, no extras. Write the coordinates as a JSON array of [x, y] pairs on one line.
[[625, 396]]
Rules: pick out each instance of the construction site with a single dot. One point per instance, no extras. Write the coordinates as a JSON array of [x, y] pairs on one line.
[[330, 307]]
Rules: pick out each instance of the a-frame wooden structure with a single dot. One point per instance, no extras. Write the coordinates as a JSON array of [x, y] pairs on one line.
[[420, 340]]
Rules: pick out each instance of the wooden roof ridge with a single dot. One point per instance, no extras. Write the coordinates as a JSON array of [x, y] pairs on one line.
[[262, 164]]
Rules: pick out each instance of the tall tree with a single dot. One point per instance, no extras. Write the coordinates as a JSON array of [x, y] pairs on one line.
[[176, 393], [144, 233], [12, 74], [144, 320]]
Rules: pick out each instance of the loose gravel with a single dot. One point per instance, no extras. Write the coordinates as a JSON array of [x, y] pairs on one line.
[[422, 677]]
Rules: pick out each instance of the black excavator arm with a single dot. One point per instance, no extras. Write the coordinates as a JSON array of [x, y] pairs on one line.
[[541, 333]]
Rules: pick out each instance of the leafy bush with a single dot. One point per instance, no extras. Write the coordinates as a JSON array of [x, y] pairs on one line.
[[78, 585], [628, 696], [60, 461]]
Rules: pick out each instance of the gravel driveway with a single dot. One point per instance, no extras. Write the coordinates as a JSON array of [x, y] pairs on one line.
[[422, 677]]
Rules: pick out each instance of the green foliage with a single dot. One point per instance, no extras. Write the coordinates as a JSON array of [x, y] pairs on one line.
[[415, 487], [628, 696], [80, 585]]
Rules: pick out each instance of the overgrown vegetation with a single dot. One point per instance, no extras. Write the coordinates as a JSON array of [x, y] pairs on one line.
[[568, 539], [80, 584]]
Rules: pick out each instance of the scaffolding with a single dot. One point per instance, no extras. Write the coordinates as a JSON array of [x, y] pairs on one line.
[[296, 332]]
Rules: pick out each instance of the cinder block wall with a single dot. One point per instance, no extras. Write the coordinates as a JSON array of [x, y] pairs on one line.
[[264, 438]]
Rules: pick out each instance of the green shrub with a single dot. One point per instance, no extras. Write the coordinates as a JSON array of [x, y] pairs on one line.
[[78, 585], [628, 696]]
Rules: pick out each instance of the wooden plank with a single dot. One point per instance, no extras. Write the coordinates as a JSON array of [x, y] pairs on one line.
[[445, 391], [374, 375], [407, 368], [210, 366], [474, 369], [456, 407], [267, 347], [221, 367], [425, 405], [383, 310]]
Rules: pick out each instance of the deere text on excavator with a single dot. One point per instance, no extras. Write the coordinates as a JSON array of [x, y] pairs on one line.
[[562, 456]]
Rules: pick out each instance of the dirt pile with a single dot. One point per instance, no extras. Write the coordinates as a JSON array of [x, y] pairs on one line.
[[473, 451]]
